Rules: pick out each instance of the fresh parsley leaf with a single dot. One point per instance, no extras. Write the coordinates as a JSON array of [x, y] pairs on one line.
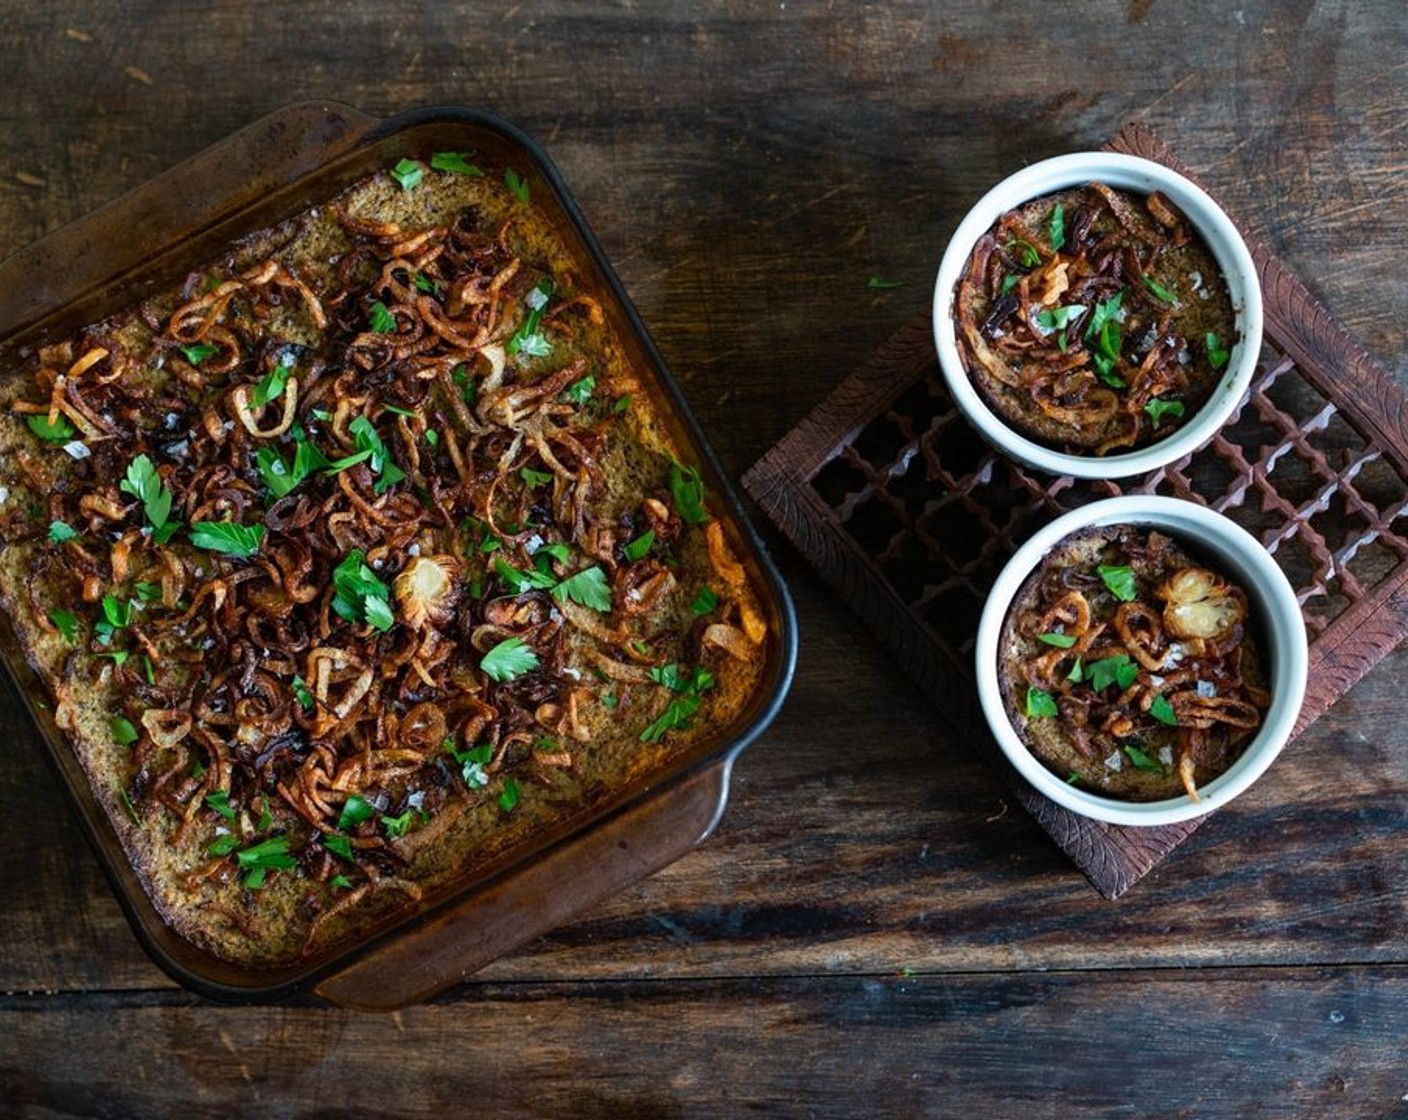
[[704, 602], [516, 183], [147, 592], [639, 548], [281, 478], [673, 676], [144, 483], [534, 479], [381, 318], [223, 845], [60, 531], [60, 431], [119, 657], [341, 882], [686, 703], [219, 800], [879, 283], [527, 339], [587, 587], [580, 392], [1077, 673], [339, 846], [1057, 231], [360, 596], [1073, 777], [455, 163], [509, 796], [1118, 670], [227, 537], [199, 352], [272, 387], [123, 733], [511, 658], [259, 859], [408, 173], [66, 622], [1158, 409], [397, 826], [1040, 704], [116, 615], [1119, 578], [1024, 252], [1059, 318], [381, 462], [469, 389], [622, 403], [432, 437], [1217, 355], [687, 490], [1010, 281], [472, 763], [518, 582], [1141, 760], [355, 810], [1163, 711], [1106, 311], [302, 694], [1159, 290], [1059, 640], [609, 702]]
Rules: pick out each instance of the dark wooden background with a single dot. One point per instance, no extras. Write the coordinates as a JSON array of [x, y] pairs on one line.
[[877, 928]]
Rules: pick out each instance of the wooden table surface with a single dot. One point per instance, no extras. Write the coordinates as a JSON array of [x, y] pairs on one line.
[[877, 928]]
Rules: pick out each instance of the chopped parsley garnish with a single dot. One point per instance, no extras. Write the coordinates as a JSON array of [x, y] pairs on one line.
[[1040, 704], [219, 800], [1057, 639], [1118, 670], [408, 173], [455, 163], [1119, 579], [1058, 226], [528, 339], [689, 689], [60, 431], [123, 733], [1159, 290], [341, 882], [397, 826], [472, 763], [580, 392], [144, 483], [147, 592], [879, 283], [623, 402], [382, 321], [1077, 673], [272, 387], [370, 446], [223, 845], [534, 479], [199, 352], [1010, 281], [540, 578], [1217, 355], [1024, 252], [639, 548], [66, 622], [516, 183], [60, 531], [704, 602], [339, 846], [687, 490], [116, 615], [509, 796], [268, 855], [1141, 760], [587, 587], [360, 595], [432, 437], [227, 537], [1059, 318], [511, 658], [281, 478], [302, 695], [1158, 409], [1163, 711], [355, 810]]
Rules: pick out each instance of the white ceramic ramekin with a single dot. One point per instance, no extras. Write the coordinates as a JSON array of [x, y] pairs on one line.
[[1143, 177], [1238, 556]]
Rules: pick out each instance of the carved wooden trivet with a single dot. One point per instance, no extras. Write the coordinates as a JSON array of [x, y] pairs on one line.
[[904, 510]]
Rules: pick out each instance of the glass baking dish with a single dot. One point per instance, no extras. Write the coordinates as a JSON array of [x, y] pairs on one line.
[[146, 241]]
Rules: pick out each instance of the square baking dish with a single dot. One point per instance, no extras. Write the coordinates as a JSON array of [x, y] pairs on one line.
[[143, 243]]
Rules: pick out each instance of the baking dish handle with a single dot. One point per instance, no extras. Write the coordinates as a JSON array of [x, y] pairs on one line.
[[450, 945], [260, 158]]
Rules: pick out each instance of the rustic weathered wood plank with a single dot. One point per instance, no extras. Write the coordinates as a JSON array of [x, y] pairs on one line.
[[1321, 1043]]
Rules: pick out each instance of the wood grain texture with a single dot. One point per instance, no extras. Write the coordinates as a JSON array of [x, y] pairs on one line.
[[748, 165]]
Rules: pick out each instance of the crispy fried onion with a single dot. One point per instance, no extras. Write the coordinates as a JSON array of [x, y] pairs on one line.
[[429, 492]]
